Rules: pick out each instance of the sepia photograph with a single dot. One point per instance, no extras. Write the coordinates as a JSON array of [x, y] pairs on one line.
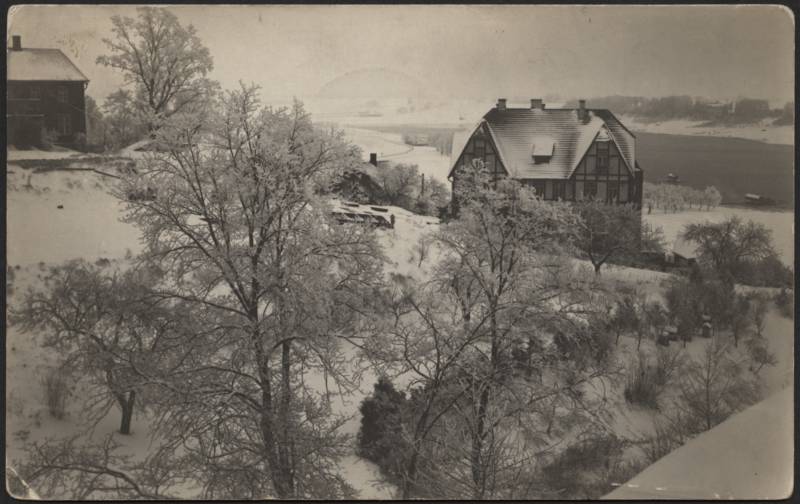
[[399, 252]]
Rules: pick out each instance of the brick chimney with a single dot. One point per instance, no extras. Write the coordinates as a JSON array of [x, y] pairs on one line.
[[373, 158], [582, 115], [16, 43], [537, 103], [501, 104]]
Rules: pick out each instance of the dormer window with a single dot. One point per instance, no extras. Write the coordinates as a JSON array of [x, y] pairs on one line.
[[542, 149]]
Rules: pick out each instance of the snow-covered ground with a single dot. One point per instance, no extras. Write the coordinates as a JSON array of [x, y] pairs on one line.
[[780, 223], [390, 147], [40, 234], [60, 153], [87, 226], [763, 131]]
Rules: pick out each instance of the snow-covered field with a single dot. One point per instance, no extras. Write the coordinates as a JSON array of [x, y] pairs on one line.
[[61, 153], [763, 132], [780, 223], [88, 226], [390, 147]]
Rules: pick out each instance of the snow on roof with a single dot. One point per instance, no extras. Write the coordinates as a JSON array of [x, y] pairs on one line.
[[748, 456], [512, 130], [684, 248], [460, 139], [42, 65], [543, 145]]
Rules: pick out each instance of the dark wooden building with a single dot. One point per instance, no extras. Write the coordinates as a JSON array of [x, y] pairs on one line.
[[566, 154], [45, 93]]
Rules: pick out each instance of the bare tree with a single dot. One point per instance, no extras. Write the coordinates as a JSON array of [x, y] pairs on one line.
[[607, 230], [499, 285], [97, 471], [101, 322], [239, 229], [740, 317], [399, 184], [124, 122], [714, 386], [759, 306], [165, 62], [725, 245]]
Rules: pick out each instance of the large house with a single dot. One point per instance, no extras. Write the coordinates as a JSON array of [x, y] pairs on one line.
[[564, 153], [45, 95]]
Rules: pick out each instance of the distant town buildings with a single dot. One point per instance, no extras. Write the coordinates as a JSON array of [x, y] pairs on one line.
[[45, 96], [564, 154]]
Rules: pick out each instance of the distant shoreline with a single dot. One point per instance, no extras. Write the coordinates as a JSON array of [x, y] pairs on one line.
[[739, 133]]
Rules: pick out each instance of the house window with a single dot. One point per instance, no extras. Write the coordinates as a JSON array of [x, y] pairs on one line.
[[64, 124], [548, 190], [558, 189], [61, 95], [602, 157], [36, 92], [590, 189], [480, 148], [623, 192], [613, 192]]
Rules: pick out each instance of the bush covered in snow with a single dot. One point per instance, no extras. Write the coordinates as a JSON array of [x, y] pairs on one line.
[[380, 438], [587, 469]]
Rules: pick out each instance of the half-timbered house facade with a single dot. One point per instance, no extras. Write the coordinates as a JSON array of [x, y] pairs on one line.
[[564, 154]]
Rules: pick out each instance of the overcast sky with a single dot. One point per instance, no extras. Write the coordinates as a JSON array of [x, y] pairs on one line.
[[464, 51]]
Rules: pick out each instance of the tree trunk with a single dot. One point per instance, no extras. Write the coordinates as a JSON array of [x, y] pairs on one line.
[[266, 420], [477, 447], [284, 447], [127, 412], [411, 475]]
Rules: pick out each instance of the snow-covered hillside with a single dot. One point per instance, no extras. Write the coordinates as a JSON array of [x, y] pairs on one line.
[[41, 234]]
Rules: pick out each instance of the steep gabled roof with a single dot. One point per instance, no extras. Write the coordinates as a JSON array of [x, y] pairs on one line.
[[516, 130], [41, 65]]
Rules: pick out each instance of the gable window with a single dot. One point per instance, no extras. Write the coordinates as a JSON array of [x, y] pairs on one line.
[[64, 124], [602, 157], [480, 148], [61, 94]]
